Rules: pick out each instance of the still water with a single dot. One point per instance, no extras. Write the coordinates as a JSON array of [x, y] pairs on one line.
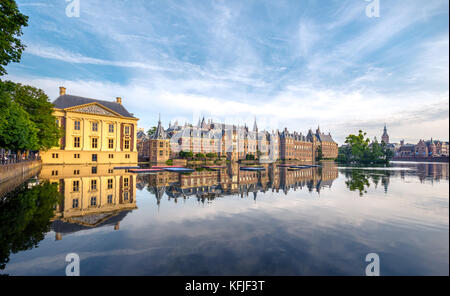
[[315, 221]]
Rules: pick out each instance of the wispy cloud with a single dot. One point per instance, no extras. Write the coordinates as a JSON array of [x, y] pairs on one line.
[[293, 63]]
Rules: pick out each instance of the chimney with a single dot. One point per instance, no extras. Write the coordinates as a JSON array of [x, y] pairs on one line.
[[62, 90], [119, 100]]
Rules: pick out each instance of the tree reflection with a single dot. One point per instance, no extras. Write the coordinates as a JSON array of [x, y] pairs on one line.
[[25, 215], [357, 181]]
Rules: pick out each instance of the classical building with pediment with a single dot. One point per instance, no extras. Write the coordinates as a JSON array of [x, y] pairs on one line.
[[94, 132]]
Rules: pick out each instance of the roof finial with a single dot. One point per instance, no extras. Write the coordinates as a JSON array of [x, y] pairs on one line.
[[159, 117]]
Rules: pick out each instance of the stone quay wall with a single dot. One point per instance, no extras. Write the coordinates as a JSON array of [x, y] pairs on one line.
[[17, 170]]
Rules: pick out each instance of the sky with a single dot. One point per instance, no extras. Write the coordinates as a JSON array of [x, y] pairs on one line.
[[295, 64]]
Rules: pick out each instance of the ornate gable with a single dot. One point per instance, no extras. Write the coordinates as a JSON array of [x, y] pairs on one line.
[[94, 109]]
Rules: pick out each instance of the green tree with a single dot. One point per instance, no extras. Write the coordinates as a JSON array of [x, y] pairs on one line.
[[151, 131], [200, 155], [211, 155], [186, 154], [250, 156], [25, 218], [319, 153], [360, 150], [17, 131], [36, 103], [11, 23]]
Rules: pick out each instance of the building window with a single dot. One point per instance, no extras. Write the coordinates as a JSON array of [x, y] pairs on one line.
[[93, 201], [127, 144], [77, 125], [94, 143], [110, 143], [127, 155], [55, 155], [94, 157], [125, 182], [76, 142], [94, 126], [160, 153], [55, 173], [76, 172], [125, 195], [110, 183], [76, 155], [93, 184], [76, 186], [110, 197], [111, 128], [75, 203], [94, 170], [161, 144], [110, 171], [127, 130], [110, 155]]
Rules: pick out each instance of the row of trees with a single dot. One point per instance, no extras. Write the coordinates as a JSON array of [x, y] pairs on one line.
[[360, 150], [190, 155], [26, 121]]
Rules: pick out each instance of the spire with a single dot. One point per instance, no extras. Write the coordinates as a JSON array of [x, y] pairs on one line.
[[159, 133], [255, 126]]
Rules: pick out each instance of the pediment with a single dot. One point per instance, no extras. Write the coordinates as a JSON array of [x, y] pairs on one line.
[[94, 109]]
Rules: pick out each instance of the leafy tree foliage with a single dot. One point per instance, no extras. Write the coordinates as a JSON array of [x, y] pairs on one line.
[[26, 120], [186, 154], [36, 103], [361, 150], [151, 131], [211, 155], [200, 155], [11, 23], [17, 131], [319, 153], [250, 157]]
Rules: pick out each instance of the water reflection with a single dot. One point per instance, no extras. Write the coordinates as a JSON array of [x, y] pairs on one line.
[[25, 215], [90, 200], [206, 185], [233, 222], [360, 178]]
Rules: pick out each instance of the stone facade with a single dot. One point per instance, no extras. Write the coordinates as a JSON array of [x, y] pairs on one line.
[[238, 142], [94, 132]]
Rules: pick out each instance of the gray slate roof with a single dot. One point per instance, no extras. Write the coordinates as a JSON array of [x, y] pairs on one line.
[[67, 101], [325, 138], [159, 133]]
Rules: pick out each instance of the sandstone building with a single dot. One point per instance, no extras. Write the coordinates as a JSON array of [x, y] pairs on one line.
[[94, 131]]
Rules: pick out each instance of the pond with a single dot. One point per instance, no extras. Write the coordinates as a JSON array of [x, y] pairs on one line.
[[311, 221]]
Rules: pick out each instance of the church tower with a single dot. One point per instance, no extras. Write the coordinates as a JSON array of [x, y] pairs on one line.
[[385, 136]]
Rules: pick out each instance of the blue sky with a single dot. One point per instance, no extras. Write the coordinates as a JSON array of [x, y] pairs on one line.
[[287, 63]]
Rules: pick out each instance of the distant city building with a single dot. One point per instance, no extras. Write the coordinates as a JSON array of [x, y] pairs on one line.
[[95, 131], [430, 148], [237, 142], [159, 144]]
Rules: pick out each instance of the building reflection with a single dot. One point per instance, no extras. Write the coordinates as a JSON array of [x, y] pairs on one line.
[[93, 196], [206, 185]]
